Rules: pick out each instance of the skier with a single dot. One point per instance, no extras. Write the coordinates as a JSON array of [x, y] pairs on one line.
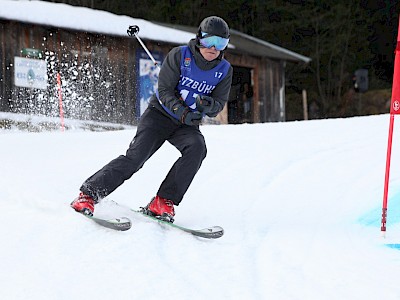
[[194, 81]]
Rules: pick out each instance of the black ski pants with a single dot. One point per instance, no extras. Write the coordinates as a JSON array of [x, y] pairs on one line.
[[153, 130]]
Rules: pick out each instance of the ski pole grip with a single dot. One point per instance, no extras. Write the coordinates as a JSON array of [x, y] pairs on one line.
[[133, 30]]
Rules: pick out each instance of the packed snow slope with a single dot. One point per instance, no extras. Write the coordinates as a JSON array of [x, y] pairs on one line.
[[300, 203]]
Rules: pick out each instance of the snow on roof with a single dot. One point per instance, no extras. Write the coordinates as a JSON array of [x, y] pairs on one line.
[[86, 19]]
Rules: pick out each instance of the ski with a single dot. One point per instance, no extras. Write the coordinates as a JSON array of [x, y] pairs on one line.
[[124, 223], [212, 232], [119, 224]]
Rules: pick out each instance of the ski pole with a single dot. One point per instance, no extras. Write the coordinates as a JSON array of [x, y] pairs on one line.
[[133, 30]]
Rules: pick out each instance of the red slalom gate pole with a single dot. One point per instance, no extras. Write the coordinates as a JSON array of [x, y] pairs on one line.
[[60, 102], [394, 110], [387, 172]]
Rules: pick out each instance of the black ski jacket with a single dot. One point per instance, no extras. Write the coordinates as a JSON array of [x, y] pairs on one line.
[[170, 74]]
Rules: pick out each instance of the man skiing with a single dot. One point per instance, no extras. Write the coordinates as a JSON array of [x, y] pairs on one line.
[[194, 81]]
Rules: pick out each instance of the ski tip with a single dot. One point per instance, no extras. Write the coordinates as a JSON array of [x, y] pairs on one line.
[[213, 232], [219, 231], [120, 220], [121, 223]]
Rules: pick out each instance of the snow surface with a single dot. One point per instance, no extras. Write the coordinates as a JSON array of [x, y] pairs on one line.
[[300, 203]]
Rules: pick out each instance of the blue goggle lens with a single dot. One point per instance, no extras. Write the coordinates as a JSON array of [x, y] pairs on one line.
[[209, 41]]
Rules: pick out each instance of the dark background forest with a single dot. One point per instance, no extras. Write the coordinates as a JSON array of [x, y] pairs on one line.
[[340, 36]]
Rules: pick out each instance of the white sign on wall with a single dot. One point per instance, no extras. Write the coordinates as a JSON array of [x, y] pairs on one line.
[[31, 73]]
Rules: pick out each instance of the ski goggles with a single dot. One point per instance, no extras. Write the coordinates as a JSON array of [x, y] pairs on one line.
[[209, 41]]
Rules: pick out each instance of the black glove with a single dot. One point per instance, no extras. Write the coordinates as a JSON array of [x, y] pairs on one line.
[[192, 118], [188, 117], [205, 104]]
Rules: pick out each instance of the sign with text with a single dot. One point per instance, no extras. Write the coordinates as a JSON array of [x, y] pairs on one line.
[[30, 73]]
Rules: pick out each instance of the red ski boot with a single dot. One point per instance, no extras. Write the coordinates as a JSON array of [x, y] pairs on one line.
[[83, 204], [161, 208]]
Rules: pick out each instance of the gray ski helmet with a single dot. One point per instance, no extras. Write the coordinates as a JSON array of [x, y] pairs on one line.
[[214, 26]]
